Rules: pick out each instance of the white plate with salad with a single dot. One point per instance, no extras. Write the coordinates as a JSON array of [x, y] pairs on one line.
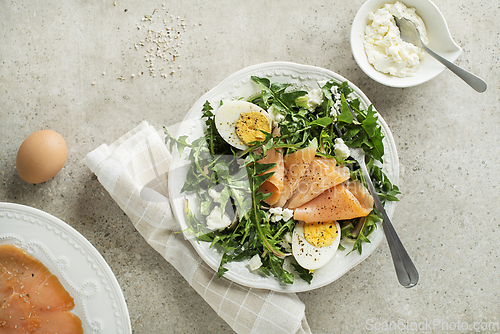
[[217, 182]]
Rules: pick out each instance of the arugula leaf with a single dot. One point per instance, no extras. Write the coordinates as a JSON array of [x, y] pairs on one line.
[[171, 141], [274, 265], [374, 133], [369, 225], [304, 273], [212, 137], [345, 116], [194, 226], [275, 95], [265, 87], [258, 216], [323, 122]]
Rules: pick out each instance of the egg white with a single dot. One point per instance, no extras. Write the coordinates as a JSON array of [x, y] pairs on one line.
[[309, 256], [226, 117]]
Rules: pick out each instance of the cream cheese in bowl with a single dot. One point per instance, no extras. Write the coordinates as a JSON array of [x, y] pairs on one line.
[[440, 41], [385, 49]]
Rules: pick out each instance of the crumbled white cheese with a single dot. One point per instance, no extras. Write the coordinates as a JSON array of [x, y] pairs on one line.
[[385, 49], [337, 106], [277, 214], [311, 100], [335, 92], [286, 243], [287, 214], [276, 116], [276, 211], [214, 194], [288, 237], [341, 149], [314, 99], [275, 218], [216, 220], [255, 262]]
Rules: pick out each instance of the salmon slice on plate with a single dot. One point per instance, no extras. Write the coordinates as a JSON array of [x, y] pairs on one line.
[[323, 174], [296, 164], [274, 184], [32, 298], [344, 201]]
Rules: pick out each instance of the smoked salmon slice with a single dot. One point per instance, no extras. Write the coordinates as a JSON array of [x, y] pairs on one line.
[[274, 184], [323, 174], [32, 298], [344, 201], [296, 164]]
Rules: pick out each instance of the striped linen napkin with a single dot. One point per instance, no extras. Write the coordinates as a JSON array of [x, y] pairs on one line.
[[140, 158]]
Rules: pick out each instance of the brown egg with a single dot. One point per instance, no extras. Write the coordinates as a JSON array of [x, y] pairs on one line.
[[41, 156]]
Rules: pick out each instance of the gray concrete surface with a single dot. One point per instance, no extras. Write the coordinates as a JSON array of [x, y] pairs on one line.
[[73, 66]]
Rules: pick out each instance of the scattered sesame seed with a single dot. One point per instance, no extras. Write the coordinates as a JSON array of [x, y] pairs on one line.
[[156, 44]]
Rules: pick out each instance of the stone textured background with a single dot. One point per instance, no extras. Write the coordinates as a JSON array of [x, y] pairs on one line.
[[73, 67]]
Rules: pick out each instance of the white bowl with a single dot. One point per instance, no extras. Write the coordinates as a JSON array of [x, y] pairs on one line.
[[440, 41]]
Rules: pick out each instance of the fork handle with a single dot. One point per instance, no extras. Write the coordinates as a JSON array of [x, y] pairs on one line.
[[472, 80], [405, 269]]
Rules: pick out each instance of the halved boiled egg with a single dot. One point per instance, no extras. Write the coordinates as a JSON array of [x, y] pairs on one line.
[[315, 244], [240, 122]]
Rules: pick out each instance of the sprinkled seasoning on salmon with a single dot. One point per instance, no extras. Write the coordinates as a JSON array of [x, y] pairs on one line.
[[323, 174], [274, 184], [296, 165], [344, 201], [32, 300]]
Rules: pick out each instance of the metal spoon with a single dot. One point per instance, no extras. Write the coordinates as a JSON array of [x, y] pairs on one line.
[[410, 34], [405, 269]]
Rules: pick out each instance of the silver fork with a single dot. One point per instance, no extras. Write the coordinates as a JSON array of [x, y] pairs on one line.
[[405, 269]]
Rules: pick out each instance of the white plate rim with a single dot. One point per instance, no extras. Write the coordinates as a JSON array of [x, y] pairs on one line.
[[227, 90], [101, 287]]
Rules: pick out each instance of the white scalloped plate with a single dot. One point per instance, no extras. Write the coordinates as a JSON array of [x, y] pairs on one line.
[[82, 271], [240, 85]]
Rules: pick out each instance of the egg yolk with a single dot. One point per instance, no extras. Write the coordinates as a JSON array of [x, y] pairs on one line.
[[320, 234], [249, 124]]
